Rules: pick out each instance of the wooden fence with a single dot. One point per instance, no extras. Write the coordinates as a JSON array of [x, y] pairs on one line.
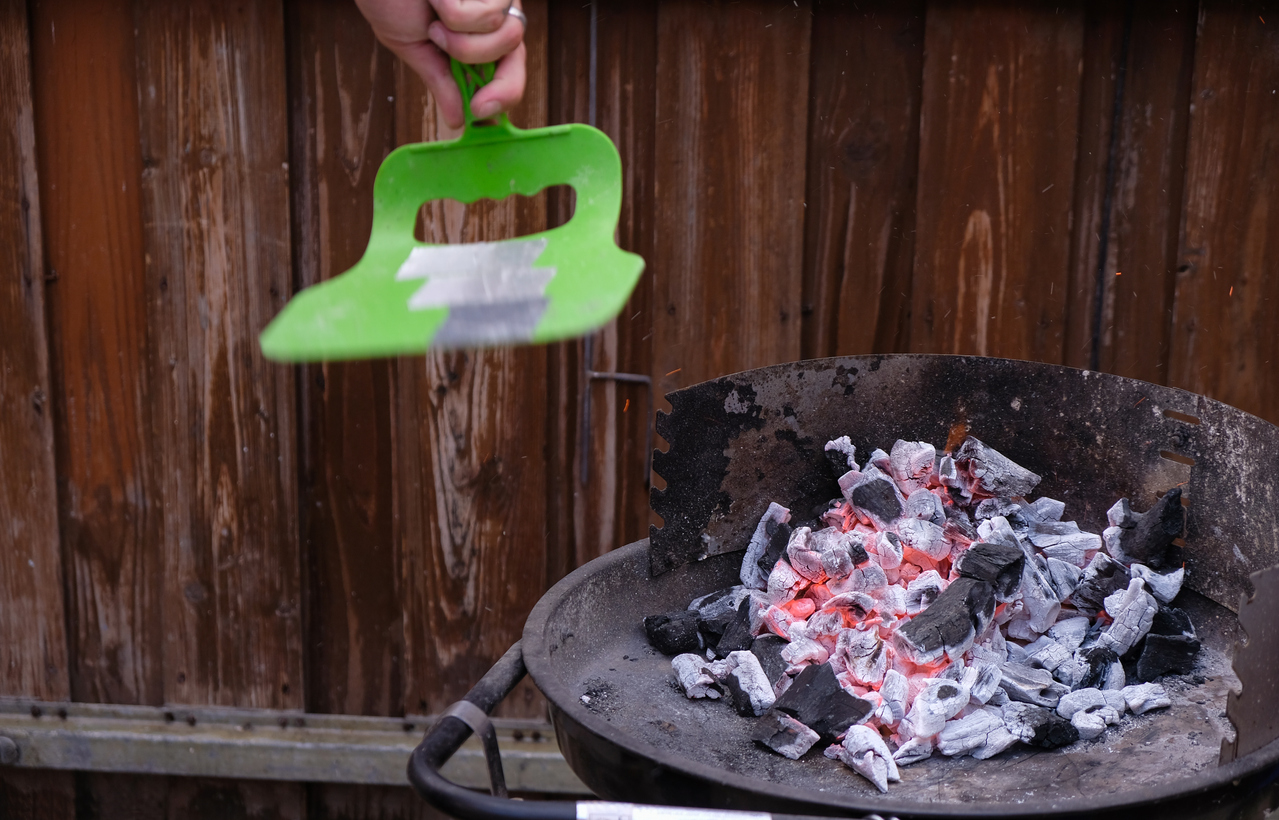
[[183, 522]]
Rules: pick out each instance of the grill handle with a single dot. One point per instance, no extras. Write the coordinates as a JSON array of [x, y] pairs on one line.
[[448, 733]]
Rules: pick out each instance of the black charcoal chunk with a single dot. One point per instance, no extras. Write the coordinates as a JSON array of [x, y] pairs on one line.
[[999, 564], [674, 633], [1103, 576], [1167, 653], [1054, 732], [768, 648], [961, 611], [1148, 542], [737, 635], [817, 700], [1100, 659], [783, 734], [778, 537], [1172, 621], [879, 497]]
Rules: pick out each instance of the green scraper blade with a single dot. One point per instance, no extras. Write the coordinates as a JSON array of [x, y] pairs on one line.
[[404, 296]]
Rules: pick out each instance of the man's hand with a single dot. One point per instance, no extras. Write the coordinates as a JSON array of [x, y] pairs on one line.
[[424, 33]]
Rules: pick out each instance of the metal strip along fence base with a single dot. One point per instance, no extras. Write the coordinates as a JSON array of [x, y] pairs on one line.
[[263, 744]]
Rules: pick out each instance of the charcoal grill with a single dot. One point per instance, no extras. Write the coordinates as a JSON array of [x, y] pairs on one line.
[[738, 442]]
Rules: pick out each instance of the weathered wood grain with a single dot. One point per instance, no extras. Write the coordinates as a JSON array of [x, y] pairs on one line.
[[727, 262], [110, 511], [215, 202], [342, 124], [33, 646], [1224, 342], [863, 154], [607, 505], [1000, 115], [1104, 54], [1142, 259], [469, 433]]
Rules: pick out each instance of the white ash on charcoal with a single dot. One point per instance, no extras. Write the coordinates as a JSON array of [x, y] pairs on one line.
[[934, 609]]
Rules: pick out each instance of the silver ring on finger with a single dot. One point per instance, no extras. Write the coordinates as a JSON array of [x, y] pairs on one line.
[[512, 11]]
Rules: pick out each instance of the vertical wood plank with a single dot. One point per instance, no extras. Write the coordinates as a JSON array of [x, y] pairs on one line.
[[215, 202], [1227, 287], [1140, 271], [33, 645], [470, 430], [342, 125], [608, 505], [626, 110], [110, 516], [1000, 115], [1103, 55], [863, 154], [727, 263]]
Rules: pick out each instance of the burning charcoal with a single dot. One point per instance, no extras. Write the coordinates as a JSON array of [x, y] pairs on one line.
[[1096, 667], [993, 507], [924, 536], [749, 687], [1045, 653], [737, 634], [1102, 577], [841, 454], [1039, 598], [981, 734], [869, 578], [784, 735], [877, 496], [958, 527], [1063, 540], [892, 600], [802, 651], [951, 623], [858, 604], [693, 677], [1065, 577], [674, 633], [803, 559], [926, 506], [1091, 724], [767, 649], [997, 530], [1143, 697], [1149, 540], [1084, 699], [784, 582], [895, 690], [1070, 632], [888, 547], [1120, 515], [994, 473], [939, 701], [912, 464], [921, 592], [1164, 586], [1038, 726], [1000, 564], [913, 751], [837, 563], [818, 701], [779, 537], [865, 752], [1045, 509], [986, 683], [862, 652], [752, 575], [1026, 685], [1134, 611]]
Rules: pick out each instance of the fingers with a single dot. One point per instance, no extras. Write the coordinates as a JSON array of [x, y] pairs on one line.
[[472, 16], [432, 65], [484, 47], [506, 88]]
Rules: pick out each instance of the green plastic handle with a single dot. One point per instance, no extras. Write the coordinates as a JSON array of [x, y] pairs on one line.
[[470, 79]]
